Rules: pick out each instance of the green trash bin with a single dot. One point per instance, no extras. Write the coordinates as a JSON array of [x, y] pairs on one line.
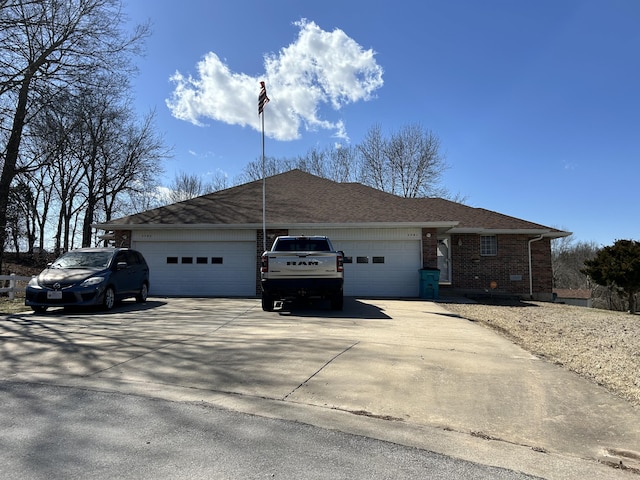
[[429, 282]]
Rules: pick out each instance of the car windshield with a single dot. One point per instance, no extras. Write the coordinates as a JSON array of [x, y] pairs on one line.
[[83, 260]]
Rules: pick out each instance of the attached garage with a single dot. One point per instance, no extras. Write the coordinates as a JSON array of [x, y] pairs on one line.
[[211, 245], [378, 262], [200, 263]]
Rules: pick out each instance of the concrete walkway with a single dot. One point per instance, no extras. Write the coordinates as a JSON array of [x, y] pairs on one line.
[[402, 371]]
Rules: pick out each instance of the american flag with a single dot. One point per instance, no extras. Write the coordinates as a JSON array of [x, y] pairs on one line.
[[262, 98]]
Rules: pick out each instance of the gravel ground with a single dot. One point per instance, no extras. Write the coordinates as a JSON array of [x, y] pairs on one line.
[[600, 345]]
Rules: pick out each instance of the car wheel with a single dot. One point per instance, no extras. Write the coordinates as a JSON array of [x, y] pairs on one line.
[[267, 303], [109, 298], [39, 309], [144, 292]]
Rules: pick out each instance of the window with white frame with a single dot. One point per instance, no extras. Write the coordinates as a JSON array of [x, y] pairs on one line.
[[488, 245]]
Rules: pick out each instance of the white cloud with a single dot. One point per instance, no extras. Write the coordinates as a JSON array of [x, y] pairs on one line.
[[318, 68]]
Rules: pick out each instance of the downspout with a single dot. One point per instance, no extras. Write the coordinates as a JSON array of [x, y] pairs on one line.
[[531, 266]]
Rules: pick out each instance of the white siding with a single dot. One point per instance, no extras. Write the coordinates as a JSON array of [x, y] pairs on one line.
[[362, 233], [193, 235], [399, 250], [234, 276]]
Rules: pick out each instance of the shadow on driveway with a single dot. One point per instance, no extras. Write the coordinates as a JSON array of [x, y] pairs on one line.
[[353, 308], [120, 307]]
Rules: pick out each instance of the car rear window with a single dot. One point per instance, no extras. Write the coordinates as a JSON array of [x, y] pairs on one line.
[[302, 245]]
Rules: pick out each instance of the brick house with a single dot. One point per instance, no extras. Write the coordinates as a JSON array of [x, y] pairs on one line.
[[211, 245]]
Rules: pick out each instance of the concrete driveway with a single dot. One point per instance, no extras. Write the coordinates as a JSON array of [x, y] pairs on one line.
[[402, 371]]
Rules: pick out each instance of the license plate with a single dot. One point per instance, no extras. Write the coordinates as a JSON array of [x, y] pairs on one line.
[[54, 295]]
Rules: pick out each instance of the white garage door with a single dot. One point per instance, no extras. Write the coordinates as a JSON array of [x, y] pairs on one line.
[[207, 269], [388, 268], [383, 262]]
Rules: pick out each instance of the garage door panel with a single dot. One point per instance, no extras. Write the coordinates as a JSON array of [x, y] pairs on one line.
[[201, 268], [381, 268]]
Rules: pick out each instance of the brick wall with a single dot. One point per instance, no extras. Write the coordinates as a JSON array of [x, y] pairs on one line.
[[429, 248], [542, 269], [506, 272], [122, 238]]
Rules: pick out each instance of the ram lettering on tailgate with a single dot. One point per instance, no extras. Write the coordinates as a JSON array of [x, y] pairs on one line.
[[304, 262]]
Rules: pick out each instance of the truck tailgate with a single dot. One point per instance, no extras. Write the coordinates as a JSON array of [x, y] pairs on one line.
[[318, 264]]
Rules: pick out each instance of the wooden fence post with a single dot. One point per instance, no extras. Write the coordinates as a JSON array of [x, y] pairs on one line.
[[12, 286]]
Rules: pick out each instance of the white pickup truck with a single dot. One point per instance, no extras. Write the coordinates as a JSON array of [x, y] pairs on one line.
[[302, 267]]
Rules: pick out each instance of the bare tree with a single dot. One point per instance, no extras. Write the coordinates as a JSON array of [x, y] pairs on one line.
[[56, 174], [99, 117], [47, 46], [41, 183], [415, 159], [338, 163], [567, 259], [408, 163], [272, 166], [117, 152], [374, 163], [20, 216], [219, 181], [46, 146], [131, 161], [343, 164], [147, 195], [186, 186], [314, 162], [69, 196]]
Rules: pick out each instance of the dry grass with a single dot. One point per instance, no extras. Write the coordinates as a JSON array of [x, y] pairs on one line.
[[9, 266], [600, 345], [12, 306]]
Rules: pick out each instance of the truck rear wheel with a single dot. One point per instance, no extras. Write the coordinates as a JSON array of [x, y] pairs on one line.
[[267, 302]]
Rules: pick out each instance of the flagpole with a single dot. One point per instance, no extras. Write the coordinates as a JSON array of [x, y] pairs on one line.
[[262, 101], [264, 194]]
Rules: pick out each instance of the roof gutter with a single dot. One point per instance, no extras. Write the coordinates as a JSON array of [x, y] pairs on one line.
[[531, 266], [510, 231], [243, 226]]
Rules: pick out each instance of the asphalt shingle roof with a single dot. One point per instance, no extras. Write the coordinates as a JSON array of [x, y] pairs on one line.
[[297, 197]]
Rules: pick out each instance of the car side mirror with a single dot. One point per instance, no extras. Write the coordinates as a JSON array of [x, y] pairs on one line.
[[121, 265]]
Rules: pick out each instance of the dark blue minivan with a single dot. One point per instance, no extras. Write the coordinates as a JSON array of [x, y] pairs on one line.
[[90, 276]]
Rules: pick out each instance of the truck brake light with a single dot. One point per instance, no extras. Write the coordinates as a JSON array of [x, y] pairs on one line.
[[340, 263], [264, 267]]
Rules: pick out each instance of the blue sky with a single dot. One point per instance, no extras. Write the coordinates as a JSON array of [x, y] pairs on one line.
[[536, 103]]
